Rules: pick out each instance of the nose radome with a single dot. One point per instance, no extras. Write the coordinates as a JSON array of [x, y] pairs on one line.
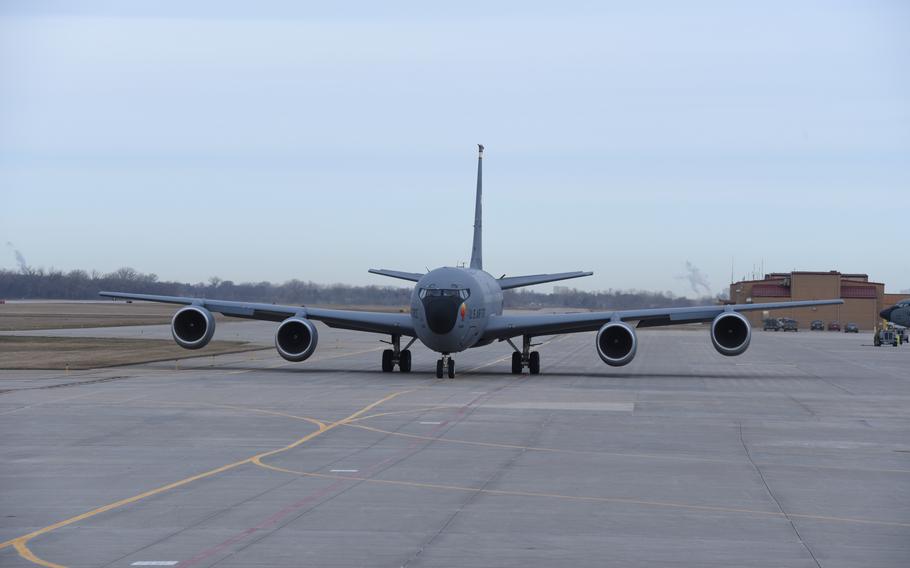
[[442, 313], [886, 313]]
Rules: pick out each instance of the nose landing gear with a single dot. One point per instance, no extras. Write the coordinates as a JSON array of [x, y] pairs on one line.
[[397, 356], [524, 357], [445, 365]]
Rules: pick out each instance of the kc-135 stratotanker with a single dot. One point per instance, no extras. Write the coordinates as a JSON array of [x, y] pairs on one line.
[[457, 308]]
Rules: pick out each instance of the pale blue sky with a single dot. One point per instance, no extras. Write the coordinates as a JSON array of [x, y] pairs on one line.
[[314, 141]]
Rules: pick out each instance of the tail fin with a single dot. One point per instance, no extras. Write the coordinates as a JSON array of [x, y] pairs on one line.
[[477, 249]]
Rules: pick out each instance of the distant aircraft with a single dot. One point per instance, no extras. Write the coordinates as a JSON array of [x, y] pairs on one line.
[[453, 309], [898, 314]]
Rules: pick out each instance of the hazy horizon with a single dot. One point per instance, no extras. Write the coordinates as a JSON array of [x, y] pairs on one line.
[[663, 146]]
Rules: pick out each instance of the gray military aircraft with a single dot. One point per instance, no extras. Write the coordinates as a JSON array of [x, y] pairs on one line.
[[898, 314], [453, 309]]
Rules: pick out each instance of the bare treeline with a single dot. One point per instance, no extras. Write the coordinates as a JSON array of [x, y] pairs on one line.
[[601, 300], [32, 283]]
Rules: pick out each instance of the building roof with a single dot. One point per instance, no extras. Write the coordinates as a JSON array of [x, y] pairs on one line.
[[770, 291], [858, 292]]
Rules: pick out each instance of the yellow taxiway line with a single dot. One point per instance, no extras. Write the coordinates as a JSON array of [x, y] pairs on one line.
[[21, 543]]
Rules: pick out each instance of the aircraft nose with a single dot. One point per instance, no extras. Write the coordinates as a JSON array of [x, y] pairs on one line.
[[886, 313], [442, 313]]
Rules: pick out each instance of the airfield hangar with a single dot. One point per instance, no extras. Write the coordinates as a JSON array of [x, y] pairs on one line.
[[863, 299]]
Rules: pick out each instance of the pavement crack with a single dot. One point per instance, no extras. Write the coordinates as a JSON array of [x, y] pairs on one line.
[[64, 385], [473, 495], [774, 498]]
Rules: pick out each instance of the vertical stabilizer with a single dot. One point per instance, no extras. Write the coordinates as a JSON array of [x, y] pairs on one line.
[[477, 249]]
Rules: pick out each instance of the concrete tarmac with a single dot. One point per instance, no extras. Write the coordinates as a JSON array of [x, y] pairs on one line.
[[796, 454]]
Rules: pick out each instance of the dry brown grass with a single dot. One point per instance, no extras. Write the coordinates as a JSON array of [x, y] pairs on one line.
[[17, 352], [66, 315]]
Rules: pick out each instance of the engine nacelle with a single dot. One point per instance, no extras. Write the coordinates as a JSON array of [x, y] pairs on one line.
[[296, 339], [616, 343], [193, 327], [731, 333]]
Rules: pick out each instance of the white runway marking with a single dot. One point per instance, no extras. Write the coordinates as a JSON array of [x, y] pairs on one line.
[[431, 423], [155, 563], [343, 470], [589, 406]]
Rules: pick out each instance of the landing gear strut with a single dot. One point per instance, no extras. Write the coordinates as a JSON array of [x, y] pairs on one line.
[[524, 357], [445, 365], [397, 356]]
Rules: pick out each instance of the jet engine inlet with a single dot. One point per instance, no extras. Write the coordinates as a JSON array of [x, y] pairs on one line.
[[616, 344], [731, 333], [296, 339], [193, 327]]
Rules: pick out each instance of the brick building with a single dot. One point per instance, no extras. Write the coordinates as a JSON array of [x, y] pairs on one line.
[[863, 300]]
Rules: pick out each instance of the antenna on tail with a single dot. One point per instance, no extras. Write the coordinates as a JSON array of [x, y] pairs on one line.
[[477, 249]]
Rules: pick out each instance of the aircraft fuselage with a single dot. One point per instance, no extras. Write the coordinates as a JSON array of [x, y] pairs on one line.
[[898, 314], [452, 306]]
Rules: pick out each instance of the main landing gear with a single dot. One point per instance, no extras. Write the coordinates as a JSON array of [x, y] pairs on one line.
[[446, 365], [397, 356], [524, 357]]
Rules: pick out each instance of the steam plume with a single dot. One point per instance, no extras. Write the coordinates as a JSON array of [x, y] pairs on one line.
[[20, 259], [696, 279]]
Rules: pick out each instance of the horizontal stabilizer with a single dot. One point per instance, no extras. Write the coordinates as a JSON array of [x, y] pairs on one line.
[[519, 281], [412, 276]]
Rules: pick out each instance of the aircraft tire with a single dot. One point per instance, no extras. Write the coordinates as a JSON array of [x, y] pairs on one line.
[[387, 364], [534, 363], [516, 363], [451, 368], [439, 369], [404, 361]]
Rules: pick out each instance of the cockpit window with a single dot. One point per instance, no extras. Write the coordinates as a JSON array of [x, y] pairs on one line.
[[462, 293]]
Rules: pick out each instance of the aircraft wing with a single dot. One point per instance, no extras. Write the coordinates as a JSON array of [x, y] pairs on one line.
[[509, 282], [375, 322], [412, 276], [506, 326]]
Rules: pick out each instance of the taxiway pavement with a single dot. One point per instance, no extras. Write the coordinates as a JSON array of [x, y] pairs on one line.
[[796, 454]]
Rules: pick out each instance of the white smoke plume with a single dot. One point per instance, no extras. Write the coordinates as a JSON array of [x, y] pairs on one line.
[[20, 259], [696, 279]]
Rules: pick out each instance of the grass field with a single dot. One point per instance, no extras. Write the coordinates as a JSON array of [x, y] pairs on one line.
[[22, 316], [16, 316], [38, 352], [18, 352]]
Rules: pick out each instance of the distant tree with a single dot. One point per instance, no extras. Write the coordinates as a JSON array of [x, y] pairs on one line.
[[80, 284]]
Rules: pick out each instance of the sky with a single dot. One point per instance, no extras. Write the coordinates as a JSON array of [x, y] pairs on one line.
[[278, 140]]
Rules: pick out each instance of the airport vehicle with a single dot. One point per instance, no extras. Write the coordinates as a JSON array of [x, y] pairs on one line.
[[886, 337], [817, 325], [457, 308], [788, 324], [834, 326], [898, 314], [851, 328], [771, 324]]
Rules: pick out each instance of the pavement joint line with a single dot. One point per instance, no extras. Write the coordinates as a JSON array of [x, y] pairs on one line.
[[286, 363], [371, 469], [354, 424], [17, 409], [396, 412], [20, 544], [509, 356], [588, 498]]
